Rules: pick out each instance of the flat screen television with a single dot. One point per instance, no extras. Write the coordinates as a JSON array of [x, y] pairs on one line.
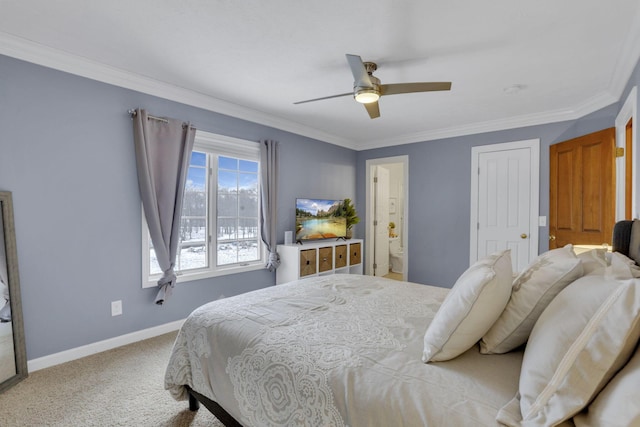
[[320, 219]]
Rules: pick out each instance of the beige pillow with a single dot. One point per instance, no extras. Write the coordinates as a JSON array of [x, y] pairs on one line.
[[532, 291], [473, 304], [584, 336], [618, 404]]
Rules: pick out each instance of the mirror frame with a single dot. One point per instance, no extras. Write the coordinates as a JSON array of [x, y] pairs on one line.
[[19, 348]]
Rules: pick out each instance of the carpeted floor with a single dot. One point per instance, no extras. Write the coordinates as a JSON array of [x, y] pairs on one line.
[[120, 387]]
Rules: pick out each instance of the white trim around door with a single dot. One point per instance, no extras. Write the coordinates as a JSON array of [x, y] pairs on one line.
[[628, 111], [534, 220], [369, 227]]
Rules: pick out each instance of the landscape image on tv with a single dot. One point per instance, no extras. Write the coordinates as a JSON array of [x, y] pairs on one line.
[[320, 219]]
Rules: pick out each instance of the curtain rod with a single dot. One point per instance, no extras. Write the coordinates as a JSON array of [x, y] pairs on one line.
[[134, 113]]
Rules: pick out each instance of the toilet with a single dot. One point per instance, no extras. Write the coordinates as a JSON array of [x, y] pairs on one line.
[[395, 254]]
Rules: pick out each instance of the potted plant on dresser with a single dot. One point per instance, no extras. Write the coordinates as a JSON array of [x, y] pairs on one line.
[[351, 215]]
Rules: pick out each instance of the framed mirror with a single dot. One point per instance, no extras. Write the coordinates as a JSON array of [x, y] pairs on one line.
[[13, 357]]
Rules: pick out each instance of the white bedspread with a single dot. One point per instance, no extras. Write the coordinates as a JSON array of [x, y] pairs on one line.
[[339, 350]]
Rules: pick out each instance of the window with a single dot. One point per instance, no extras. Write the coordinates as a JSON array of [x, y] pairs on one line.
[[220, 228]]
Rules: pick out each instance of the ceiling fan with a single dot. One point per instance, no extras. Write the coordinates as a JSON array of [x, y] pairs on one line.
[[367, 88]]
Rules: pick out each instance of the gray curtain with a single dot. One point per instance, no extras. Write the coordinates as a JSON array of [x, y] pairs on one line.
[[269, 199], [163, 152]]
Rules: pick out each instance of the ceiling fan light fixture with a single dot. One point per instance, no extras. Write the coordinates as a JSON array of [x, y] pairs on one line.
[[367, 96]]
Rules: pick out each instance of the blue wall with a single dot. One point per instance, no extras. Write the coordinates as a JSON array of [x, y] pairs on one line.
[[66, 154]]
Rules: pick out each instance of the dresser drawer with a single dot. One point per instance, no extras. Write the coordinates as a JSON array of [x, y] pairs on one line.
[[307, 262]]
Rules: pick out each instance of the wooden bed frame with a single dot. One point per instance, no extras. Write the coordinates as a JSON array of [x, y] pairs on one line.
[[218, 411]]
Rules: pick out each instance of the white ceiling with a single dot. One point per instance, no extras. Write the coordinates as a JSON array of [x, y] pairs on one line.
[[253, 58]]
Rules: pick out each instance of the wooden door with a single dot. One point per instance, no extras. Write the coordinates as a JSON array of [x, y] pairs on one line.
[[582, 190]]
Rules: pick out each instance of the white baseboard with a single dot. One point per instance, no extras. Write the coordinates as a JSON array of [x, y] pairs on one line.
[[100, 346]]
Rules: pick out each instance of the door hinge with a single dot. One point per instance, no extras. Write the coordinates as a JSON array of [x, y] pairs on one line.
[[619, 151], [375, 222], [375, 266]]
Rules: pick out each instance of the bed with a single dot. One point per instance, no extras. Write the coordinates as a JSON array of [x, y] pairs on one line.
[[350, 350]]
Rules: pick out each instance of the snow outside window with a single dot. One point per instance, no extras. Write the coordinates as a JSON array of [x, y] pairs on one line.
[[220, 230]]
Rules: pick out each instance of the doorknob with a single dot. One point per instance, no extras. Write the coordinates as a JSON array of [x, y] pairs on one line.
[[523, 236], [552, 237]]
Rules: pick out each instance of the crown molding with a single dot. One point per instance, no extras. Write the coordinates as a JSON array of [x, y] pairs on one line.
[[627, 59], [593, 104], [36, 53]]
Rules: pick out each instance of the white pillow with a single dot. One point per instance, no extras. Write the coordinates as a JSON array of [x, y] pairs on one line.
[[473, 304], [622, 267], [618, 404], [532, 291], [585, 335], [594, 261]]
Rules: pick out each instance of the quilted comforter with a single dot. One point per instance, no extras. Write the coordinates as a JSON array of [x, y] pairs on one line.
[[340, 350]]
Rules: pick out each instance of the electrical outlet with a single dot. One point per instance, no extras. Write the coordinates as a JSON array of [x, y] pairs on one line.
[[116, 308]]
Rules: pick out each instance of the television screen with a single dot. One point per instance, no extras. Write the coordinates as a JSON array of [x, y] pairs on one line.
[[320, 219]]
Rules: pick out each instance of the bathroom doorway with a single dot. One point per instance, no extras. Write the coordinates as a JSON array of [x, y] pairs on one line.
[[387, 212]]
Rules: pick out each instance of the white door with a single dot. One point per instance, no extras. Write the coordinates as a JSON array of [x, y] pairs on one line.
[[506, 202], [381, 221]]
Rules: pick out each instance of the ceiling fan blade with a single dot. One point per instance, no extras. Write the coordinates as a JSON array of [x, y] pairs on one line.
[[360, 75], [373, 109], [394, 89], [324, 97]]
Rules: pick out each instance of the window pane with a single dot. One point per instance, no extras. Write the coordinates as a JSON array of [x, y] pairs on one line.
[[248, 251], [192, 256], [198, 158], [227, 253], [196, 178], [227, 229], [194, 203], [238, 200], [227, 163], [154, 267], [227, 182], [227, 205], [247, 228], [248, 166], [193, 230], [248, 182], [248, 205]]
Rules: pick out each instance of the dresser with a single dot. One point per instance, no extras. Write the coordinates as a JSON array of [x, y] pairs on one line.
[[318, 258]]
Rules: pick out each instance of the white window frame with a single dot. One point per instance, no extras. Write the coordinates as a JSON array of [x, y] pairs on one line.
[[222, 146]]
